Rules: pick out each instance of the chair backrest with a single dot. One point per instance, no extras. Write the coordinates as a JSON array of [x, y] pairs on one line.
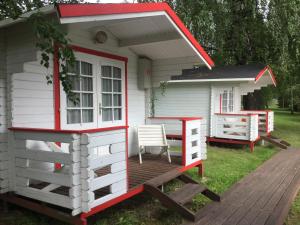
[[152, 136]]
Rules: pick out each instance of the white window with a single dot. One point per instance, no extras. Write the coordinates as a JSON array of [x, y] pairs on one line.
[[99, 88], [227, 101], [81, 108], [111, 93]]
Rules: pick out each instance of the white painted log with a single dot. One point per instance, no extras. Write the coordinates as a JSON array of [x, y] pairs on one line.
[[50, 177], [108, 140], [75, 191], [118, 186], [119, 166], [106, 198], [106, 180], [47, 137], [44, 156], [22, 182], [48, 197], [107, 160]]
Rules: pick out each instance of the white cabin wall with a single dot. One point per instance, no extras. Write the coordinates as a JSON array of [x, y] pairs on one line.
[[30, 98], [185, 100], [3, 118], [163, 69], [136, 97]]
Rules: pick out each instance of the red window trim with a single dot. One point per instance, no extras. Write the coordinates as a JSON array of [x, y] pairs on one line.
[[77, 10]]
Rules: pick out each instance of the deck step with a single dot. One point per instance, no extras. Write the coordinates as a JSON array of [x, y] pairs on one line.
[[164, 178], [276, 141], [176, 200], [186, 193]]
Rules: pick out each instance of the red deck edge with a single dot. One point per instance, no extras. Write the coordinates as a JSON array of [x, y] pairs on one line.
[[236, 114], [233, 141], [114, 201], [258, 110], [78, 10], [67, 131], [175, 118], [135, 191], [261, 73]]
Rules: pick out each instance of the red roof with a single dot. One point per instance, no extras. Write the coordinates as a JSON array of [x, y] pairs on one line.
[[78, 10]]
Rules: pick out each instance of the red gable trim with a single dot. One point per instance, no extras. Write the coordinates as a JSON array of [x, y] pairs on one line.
[[77, 10], [262, 72]]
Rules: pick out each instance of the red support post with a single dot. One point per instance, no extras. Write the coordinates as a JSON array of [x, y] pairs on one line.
[[252, 143], [201, 169]]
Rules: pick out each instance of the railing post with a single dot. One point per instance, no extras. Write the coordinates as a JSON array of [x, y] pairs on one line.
[[183, 142], [253, 127], [87, 175], [75, 190]]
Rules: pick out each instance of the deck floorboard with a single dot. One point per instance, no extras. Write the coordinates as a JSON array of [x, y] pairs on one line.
[[261, 198]]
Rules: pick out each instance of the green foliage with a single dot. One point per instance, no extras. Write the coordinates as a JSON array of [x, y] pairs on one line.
[[50, 38]]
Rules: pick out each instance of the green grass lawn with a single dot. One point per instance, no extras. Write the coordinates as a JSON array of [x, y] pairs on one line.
[[223, 168]]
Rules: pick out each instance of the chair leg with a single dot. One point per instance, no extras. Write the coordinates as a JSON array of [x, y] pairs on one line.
[[140, 155], [168, 154]]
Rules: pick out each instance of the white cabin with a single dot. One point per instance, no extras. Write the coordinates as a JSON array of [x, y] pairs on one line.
[[216, 95], [78, 156]]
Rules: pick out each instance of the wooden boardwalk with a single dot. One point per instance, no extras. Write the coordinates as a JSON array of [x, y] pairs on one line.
[[261, 198]]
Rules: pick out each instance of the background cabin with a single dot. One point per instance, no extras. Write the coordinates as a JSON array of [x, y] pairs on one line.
[[82, 156], [217, 96]]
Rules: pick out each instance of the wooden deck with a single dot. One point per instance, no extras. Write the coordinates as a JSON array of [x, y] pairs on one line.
[[151, 167], [261, 198]]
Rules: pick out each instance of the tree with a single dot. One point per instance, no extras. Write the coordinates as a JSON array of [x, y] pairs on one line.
[[49, 35]]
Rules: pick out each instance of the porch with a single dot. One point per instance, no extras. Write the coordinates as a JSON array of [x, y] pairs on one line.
[[83, 172], [244, 127]]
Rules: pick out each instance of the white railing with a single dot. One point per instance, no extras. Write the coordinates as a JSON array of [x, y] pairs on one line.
[[187, 133], [34, 174], [103, 165], [93, 167], [235, 126], [266, 120]]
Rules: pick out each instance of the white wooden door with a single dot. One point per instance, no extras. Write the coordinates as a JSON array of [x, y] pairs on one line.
[[111, 93], [224, 100]]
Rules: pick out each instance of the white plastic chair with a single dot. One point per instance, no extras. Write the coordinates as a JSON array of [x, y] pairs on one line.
[[152, 136]]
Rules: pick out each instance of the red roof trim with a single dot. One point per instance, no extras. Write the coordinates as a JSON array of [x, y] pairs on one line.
[[77, 10], [262, 72]]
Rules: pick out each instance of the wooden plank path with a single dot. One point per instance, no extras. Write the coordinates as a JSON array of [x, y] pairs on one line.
[[261, 198]]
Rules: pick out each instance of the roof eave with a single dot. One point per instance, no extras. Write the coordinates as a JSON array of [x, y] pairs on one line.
[[70, 13], [212, 80]]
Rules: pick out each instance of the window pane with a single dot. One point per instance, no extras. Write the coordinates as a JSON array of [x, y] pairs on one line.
[[106, 100], [87, 115], [106, 85], [107, 114], [117, 114], [73, 69], [87, 100], [117, 72], [75, 82], [86, 68], [86, 84], [73, 116], [106, 71], [75, 104], [117, 100], [117, 86]]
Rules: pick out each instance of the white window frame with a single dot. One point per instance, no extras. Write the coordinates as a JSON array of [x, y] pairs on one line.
[[119, 64], [227, 106], [97, 62]]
